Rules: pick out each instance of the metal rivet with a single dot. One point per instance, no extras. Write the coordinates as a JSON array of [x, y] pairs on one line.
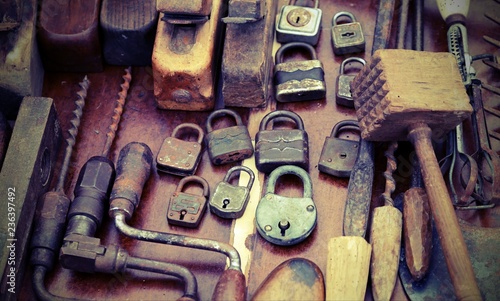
[[268, 228], [310, 208]]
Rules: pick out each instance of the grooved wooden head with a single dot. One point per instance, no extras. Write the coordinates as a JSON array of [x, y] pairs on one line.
[[401, 87]]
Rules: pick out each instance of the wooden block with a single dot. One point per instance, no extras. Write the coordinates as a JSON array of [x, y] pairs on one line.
[[128, 29], [26, 173], [192, 7], [247, 61], [21, 70], [68, 35], [347, 268], [401, 87], [185, 63]]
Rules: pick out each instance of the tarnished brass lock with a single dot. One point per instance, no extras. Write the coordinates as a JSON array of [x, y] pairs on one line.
[[339, 155], [187, 209], [347, 37], [299, 80], [286, 220], [344, 97], [230, 201], [276, 147], [299, 23], [229, 144], [180, 157]]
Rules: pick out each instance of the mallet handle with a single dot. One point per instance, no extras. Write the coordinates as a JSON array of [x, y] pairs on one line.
[[452, 241]]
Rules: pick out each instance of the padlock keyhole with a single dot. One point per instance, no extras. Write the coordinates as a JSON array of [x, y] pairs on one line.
[[225, 203], [342, 155], [283, 225], [348, 34], [183, 214]]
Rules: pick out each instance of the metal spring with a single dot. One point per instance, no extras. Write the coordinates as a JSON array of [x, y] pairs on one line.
[[120, 102], [73, 131], [390, 183]]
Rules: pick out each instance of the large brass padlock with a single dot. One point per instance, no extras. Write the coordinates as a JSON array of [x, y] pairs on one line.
[[286, 220], [343, 96], [230, 201], [276, 147], [229, 144], [339, 155], [180, 157], [299, 23], [347, 37], [299, 80], [187, 209]]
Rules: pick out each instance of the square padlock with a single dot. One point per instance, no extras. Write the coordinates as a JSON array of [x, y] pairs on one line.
[[347, 37], [299, 24]]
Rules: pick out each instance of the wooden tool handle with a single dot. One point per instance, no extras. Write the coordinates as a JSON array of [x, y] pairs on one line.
[[231, 286], [452, 241]]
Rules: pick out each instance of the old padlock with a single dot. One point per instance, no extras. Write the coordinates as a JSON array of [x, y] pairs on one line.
[[230, 201], [229, 144], [347, 37], [187, 209], [299, 80], [344, 97], [339, 155], [276, 147], [299, 23], [180, 157], [286, 220]]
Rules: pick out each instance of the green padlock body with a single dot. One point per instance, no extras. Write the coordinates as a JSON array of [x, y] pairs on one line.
[[278, 147], [186, 209], [178, 157], [309, 33], [338, 156], [344, 97], [299, 81], [299, 212], [229, 144], [229, 201], [348, 38]]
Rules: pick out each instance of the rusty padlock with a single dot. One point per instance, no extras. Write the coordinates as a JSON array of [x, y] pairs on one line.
[[228, 144], [299, 80], [187, 209], [276, 147], [299, 23], [339, 155], [343, 96], [347, 37], [180, 157], [286, 220], [230, 201]]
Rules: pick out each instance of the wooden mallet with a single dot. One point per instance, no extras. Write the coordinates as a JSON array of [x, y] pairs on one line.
[[415, 95]]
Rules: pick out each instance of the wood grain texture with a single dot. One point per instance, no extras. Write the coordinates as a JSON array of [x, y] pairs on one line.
[[128, 29], [68, 35], [347, 268]]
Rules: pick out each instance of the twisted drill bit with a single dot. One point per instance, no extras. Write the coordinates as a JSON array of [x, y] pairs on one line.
[[390, 183], [120, 102], [73, 131]]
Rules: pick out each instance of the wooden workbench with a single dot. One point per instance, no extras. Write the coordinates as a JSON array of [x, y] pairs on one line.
[[143, 122]]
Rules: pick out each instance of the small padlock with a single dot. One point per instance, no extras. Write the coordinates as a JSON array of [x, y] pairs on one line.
[[347, 37], [299, 80], [230, 201], [299, 23], [187, 209], [344, 97], [180, 157], [276, 147], [339, 155], [284, 220], [229, 144]]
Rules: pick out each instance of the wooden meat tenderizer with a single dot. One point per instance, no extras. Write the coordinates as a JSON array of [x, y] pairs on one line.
[[420, 96]]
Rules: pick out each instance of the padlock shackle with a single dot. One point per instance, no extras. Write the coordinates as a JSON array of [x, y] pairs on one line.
[[281, 113], [351, 59], [292, 2], [345, 125], [196, 179], [294, 170], [193, 126], [287, 46], [343, 14], [220, 113], [234, 169]]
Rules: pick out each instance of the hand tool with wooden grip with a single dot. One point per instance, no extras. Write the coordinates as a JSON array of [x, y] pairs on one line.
[[419, 95]]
